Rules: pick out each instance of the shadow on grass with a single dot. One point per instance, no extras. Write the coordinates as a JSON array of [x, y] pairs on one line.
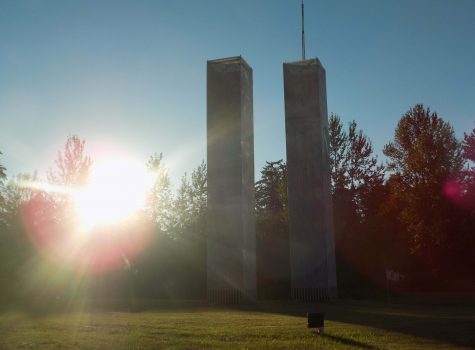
[[346, 341], [451, 325]]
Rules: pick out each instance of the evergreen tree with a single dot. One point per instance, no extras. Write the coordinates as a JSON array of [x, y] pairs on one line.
[[271, 191], [272, 231]]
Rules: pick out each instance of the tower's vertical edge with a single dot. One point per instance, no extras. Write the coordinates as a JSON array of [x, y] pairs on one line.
[[312, 248], [231, 223], [248, 195]]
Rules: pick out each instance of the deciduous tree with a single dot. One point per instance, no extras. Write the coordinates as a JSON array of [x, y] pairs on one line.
[[73, 165], [3, 172], [423, 156], [160, 199], [354, 167], [3, 176], [468, 145]]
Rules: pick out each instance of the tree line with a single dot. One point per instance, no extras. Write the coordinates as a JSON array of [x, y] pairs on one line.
[[415, 214]]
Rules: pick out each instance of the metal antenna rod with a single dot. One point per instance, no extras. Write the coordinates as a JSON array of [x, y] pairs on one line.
[[303, 34]]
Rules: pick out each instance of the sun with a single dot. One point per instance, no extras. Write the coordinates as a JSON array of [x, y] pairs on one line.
[[116, 190]]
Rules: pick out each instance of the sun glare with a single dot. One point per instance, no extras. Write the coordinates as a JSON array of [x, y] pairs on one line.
[[116, 189]]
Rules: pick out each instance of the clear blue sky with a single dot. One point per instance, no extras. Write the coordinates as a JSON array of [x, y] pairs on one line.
[[133, 73]]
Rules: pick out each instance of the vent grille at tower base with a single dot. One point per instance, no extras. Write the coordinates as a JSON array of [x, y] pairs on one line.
[[310, 294], [225, 296]]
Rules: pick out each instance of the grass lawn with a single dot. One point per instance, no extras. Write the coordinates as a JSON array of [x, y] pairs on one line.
[[348, 325]]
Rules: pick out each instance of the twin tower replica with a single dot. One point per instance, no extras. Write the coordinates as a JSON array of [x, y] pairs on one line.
[[231, 264]]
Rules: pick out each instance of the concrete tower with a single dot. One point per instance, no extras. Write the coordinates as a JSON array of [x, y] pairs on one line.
[[312, 247], [231, 262]]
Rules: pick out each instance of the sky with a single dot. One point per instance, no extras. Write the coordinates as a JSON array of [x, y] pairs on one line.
[[130, 76]]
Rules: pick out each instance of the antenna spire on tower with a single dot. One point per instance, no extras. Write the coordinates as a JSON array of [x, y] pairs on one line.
[[303, 33]]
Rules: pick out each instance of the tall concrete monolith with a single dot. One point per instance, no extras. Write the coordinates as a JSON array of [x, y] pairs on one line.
[[231, 248], [312, 247]]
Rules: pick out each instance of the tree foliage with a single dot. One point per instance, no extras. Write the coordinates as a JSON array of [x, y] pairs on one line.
[[189, 206], [354, 167], [423, 156], [357, 189], [160, 196], [272, 230], [468, 145], [3, 176], [73, 165], [352, 161], [3, 172], [15, 193], [425, 151], [405, 220], [338, 149], [271, 191], [198, 195]]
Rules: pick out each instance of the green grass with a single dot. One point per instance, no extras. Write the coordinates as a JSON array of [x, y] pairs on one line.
[[348, 325]]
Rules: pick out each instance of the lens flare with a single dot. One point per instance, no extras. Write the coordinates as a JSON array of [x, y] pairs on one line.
[[460, 193], [98, 227], [116, 190]]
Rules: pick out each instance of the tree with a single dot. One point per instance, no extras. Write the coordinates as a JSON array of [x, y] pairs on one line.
[[72, 171], [3, 173], [182, 208], [3, 177], [189, 232], [467, 241], [355, 175], [198, 194], [160, 197], [17, 253], [423, 156], [193, 198], [271, 190], [338, 149], [354, 168], [363, 168], [468, 145], [16, 192], [357, 188], [425, 150], [190, 204], [174, 262], [272, 231], [73, 166]]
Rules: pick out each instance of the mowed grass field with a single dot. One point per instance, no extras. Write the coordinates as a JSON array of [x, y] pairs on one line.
[[348, 325]]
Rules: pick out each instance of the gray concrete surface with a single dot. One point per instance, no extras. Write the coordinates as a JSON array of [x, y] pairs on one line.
[[231, 263], [312, 247]]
